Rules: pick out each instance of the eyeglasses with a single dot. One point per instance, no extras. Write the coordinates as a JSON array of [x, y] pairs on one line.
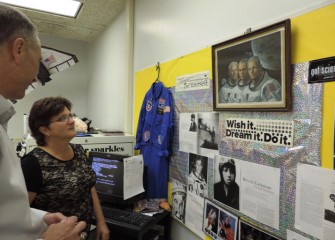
[[64, 118]]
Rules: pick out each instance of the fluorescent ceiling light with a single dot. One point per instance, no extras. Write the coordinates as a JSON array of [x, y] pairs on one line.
[[69, 8]]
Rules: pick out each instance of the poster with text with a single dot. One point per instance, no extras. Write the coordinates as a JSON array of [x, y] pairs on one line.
[[194, 212], [273, 132], [195, 81], [315, 201], [259, 193], [188, 132]]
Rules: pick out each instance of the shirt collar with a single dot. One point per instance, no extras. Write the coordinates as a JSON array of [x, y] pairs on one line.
[[6, 110], [156, 89]]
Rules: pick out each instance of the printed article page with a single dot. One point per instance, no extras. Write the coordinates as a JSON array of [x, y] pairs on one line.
[[315, 201], [194, 213], [133, 176], [259, 196], [188, 132]]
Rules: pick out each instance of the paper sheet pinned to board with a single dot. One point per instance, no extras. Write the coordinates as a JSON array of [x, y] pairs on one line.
[[315, 199], [133, 176]]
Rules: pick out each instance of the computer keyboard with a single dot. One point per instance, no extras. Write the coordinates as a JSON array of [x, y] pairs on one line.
[[123, 218]]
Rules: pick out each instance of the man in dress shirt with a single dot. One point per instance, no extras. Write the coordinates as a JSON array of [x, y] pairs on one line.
[[20, 56]]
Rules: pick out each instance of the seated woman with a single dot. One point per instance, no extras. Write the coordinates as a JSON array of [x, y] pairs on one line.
[[58, 176]]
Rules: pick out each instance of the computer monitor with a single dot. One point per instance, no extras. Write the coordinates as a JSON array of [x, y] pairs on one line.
[[109, 169]]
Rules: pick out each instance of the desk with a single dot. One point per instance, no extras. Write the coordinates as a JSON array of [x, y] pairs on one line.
[[123, 233]]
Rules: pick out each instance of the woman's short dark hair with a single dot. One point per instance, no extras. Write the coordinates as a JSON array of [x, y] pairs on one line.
[[227, 163], [41, 113]]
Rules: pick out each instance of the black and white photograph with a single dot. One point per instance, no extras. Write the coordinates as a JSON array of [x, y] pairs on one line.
[[226, 181], [330, 211], [199, 133], [208, 130], [197, 178], [193, 124], [253, 71]]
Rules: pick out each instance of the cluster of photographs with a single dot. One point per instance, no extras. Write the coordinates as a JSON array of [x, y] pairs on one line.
[[220, 224]]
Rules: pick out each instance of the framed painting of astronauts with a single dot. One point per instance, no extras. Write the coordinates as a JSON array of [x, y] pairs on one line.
[[253, 72]]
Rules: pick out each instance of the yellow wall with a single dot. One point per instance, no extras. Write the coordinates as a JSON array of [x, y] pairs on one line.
[[313, 37], [169, 71]]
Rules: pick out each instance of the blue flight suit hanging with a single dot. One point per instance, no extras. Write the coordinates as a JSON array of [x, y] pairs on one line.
[[154, 136]]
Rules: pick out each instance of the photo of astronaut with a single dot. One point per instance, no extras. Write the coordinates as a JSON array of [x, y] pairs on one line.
[[218, 223], [227, 226], [210, 223], [178, 200], [197, 179]]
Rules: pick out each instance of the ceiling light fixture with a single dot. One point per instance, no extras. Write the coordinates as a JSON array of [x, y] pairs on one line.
[[69, 8]]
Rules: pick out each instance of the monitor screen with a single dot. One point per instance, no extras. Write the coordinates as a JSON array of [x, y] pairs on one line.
[[109, 169]]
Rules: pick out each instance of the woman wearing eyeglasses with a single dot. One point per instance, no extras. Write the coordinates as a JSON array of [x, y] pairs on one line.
[[58, 176]]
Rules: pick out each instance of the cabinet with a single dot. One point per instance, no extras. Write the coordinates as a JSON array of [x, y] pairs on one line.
[[119, 144]]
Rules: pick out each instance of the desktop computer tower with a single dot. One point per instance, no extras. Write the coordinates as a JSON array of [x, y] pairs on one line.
[[151, 235]]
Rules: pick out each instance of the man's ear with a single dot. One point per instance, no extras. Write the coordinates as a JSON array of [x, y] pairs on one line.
[[17, 49]]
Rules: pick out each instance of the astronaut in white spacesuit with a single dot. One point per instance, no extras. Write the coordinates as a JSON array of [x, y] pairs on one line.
[[196, 180]]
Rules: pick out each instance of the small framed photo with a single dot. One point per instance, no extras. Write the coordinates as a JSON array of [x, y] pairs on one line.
[[252, 72], [219, 223]]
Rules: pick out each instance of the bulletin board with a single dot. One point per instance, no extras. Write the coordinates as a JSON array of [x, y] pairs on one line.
[[313, 112]]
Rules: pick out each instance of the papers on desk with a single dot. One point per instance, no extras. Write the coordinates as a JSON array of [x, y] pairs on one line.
[[150, 214], [133, 176], [150, 206], [146, 205]]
